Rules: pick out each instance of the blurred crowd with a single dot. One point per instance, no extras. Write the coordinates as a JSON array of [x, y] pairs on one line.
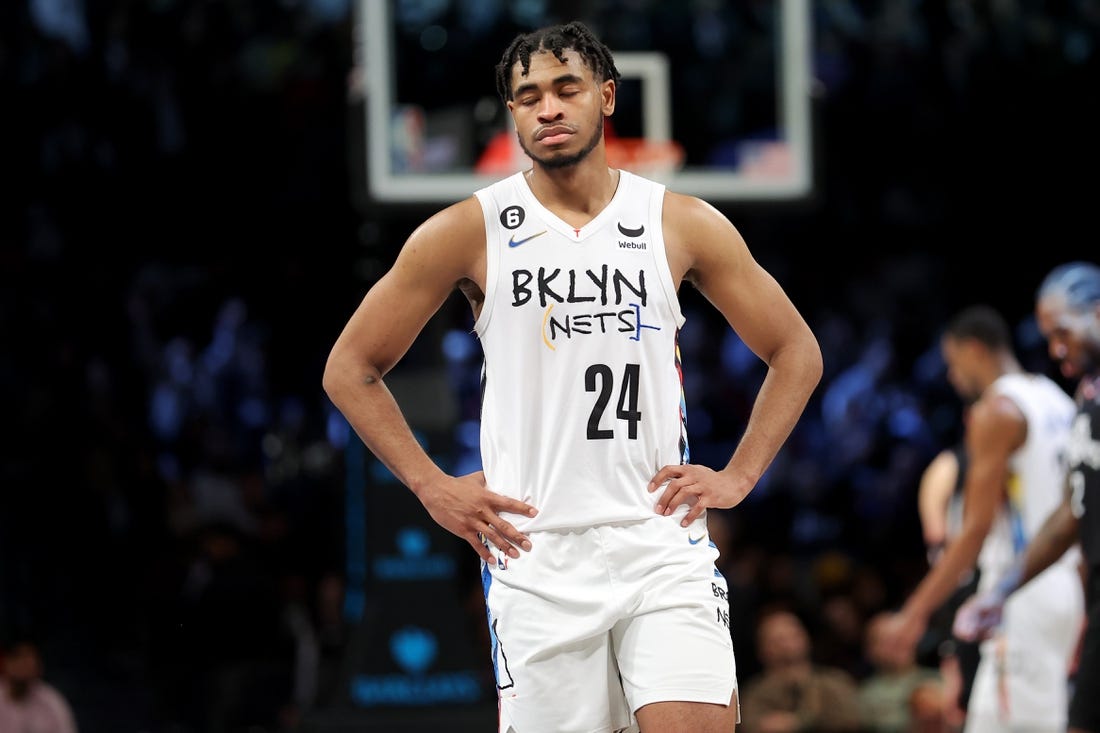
[[183, 233]]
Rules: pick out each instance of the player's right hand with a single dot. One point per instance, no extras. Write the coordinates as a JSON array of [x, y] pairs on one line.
[[978, 616], [466, 507]]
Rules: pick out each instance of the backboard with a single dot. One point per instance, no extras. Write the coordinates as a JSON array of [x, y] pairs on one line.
[[715, 107]]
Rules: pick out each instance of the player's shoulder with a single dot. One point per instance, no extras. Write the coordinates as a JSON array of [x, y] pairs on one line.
[[681, 205], [1034, 388], [450, 240], [697, 225], [996, 414], [461, 221], [688, 213]]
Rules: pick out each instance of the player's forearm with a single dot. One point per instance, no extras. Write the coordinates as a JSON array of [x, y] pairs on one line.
[[1056, 535], [943, 578], [791, 379], [371, 410]]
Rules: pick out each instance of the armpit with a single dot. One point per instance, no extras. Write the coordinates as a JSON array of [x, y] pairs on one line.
[[473, 294]]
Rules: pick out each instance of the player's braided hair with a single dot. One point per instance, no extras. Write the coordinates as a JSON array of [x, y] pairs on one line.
[[555, 39]]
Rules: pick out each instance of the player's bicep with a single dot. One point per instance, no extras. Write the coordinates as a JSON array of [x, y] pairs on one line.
[[994, 431], [390, 316], [984, 489], [749, 297]]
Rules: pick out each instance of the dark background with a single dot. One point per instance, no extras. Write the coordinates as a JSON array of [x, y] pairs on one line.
[[183, 234]]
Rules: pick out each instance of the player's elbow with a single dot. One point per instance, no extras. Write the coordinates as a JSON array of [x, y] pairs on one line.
[[338, 367], [330, 377], [798, 357], [346, 371], [813, 364], [816, 366]]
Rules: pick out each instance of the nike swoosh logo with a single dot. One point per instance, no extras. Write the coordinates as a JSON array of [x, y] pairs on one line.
[[513, 242], [631, 232], [696, 540]]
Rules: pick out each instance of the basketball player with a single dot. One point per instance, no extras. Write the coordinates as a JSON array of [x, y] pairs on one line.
[[1016, 434], [613, 616], [1068, 313]]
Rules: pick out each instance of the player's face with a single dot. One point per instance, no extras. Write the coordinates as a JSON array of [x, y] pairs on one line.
[[558, 108], [960, 356], [1073, 337]]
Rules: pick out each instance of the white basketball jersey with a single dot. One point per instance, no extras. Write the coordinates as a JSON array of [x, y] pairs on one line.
[[582, 399], [1036, 470]]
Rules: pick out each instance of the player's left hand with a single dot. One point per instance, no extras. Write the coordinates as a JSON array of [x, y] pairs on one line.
[[700, 488]]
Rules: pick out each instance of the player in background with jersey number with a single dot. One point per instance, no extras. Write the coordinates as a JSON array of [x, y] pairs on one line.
[[1067, 310], [612, 616]]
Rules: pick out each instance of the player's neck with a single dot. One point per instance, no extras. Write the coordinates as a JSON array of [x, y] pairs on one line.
[[997, 367], [584, 188], [1008, 364]]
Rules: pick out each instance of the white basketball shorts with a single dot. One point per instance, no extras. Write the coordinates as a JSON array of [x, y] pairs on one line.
[[592, 624], [1022, 681]]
